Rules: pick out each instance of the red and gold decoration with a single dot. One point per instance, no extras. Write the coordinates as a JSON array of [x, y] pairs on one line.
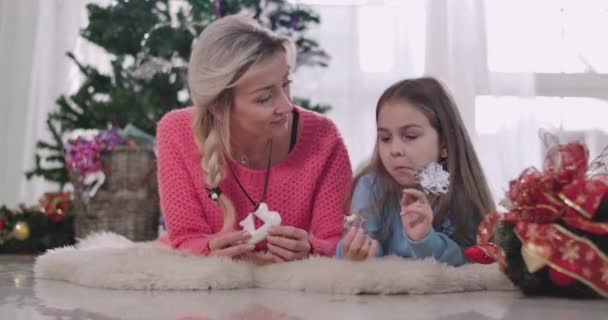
[[55, 205], [37, 228], [560, 220]]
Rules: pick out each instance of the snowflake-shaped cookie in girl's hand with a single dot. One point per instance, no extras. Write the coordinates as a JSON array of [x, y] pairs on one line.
[[433, 179], [355, 219]]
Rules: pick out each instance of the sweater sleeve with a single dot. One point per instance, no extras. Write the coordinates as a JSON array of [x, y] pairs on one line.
[[437, 245], [328, 206], [182, 211], [442, 247], [364, 200]]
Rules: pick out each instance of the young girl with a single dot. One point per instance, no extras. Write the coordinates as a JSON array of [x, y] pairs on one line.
[[418, 124]]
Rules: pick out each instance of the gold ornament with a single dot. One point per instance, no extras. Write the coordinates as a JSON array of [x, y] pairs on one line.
[[21, 231]]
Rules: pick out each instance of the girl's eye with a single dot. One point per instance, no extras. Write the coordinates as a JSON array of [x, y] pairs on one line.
[[410, 136], [385, 139]]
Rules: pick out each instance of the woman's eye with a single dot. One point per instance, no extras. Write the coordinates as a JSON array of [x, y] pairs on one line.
[[264, 100]]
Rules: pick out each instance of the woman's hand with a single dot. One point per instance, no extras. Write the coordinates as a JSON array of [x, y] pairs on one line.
[[288, 243], [416, 214], [261, 257], [357, 245], [230, 244]]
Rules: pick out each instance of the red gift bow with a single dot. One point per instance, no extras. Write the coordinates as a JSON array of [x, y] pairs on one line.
[[538, 200]]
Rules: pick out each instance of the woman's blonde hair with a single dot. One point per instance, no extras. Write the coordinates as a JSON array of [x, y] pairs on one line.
[[222, 54], [469, 196]]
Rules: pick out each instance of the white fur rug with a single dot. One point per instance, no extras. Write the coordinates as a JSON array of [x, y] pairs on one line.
[[107, 260]]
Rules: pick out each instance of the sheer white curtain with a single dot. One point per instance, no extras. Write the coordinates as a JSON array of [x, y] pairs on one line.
[[374, 43], [457, 53], [34, 36], [371, 46]]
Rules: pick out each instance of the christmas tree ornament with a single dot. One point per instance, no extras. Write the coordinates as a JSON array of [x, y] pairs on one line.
[[55, 205], [21, 231], [560, 279]]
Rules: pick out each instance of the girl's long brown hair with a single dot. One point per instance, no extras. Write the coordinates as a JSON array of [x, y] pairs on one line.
[[468, 196]]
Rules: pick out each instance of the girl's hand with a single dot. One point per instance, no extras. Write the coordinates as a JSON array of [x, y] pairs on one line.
[[230, 244], [288, 243], [416, 214], [356, 245]]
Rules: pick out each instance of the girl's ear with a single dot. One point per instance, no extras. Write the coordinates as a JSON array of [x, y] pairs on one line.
[[443, 154]]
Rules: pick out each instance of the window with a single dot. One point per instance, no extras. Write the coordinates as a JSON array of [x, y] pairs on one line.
[[560, 47]]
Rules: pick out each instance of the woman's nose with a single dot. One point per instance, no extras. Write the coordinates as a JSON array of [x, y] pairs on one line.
[[284, 103]]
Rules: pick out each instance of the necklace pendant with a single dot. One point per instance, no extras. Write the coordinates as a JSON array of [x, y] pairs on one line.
[[244, 160]]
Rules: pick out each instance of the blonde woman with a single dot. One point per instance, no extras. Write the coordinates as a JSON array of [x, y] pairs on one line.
[[244, 145]]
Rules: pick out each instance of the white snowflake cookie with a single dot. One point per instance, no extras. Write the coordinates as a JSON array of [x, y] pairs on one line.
[[433, 179]]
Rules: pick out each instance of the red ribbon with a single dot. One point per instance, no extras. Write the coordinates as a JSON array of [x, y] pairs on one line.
[[537, 201]]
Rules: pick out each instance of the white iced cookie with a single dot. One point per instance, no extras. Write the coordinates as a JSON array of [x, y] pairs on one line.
[[433, 179], [270, 218], [355, 219]]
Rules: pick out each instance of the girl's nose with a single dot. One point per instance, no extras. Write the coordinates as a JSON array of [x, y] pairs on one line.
[[397, 150]]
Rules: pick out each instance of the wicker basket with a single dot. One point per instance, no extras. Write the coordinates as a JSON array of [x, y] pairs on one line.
[[127, 203]]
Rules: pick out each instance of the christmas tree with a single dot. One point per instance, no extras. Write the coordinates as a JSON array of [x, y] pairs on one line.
[[149, 43]]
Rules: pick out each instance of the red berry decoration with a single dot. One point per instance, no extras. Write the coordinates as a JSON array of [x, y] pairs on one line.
[[561, 279], [475, 254]]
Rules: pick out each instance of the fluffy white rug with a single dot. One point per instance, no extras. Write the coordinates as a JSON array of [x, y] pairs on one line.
[[107, 260]]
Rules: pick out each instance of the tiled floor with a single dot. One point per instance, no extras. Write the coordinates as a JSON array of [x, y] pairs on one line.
[[22, 297]]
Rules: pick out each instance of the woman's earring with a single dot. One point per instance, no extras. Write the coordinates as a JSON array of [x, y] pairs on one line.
[[444, 153]]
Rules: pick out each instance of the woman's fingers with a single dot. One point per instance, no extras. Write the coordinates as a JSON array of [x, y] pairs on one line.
[[234, 251], [282, 253], [224, 240], [288, 232], [288, 244]]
